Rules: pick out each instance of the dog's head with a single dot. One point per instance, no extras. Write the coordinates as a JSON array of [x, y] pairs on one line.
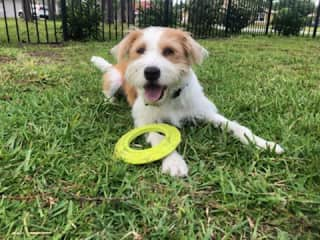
[[158, 58]]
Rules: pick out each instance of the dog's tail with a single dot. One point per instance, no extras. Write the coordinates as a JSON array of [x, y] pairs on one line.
[[101, 64]]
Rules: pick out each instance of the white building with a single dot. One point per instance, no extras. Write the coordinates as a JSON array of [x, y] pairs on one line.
[[9, 7], [8, 4]]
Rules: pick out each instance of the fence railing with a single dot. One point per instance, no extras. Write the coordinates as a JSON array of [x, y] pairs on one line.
[[53, 21]]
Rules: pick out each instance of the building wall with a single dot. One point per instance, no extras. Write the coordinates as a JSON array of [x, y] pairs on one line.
[[9, 8]]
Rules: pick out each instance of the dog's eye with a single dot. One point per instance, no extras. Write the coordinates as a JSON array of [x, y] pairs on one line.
[[167, 51], [141, 50]]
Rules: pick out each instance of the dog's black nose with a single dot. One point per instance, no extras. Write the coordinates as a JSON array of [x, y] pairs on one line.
[[152, 74]]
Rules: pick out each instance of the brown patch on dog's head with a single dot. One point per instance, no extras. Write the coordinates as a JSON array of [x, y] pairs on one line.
[[121, 50], [179, 47]]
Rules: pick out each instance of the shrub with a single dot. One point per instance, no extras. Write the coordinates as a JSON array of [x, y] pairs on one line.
[[288, 22], [153, 14], [83, 19], [200, 16], [291, 16], [204, 15], [239, 18], [303, 7]]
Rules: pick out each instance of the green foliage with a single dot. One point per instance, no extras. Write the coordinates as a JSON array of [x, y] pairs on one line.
[[153, 14], [239, 18], [303, 7], [203, 15], [288, 22], [291, 16], [83, 19], [242, 13], [309, 21]]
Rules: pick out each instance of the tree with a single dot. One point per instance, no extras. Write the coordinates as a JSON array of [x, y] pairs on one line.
[[131, 11], [26, 5], [83, 20], [241, 13], [123, 11], [154, 13], [239, 18], [110, 11], [51, 8], [303, 7], [291, 16], [204, 15]]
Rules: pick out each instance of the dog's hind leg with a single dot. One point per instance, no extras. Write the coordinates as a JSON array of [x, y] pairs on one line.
[[242, 133], [112, 78], [112, 81], [100, 63]]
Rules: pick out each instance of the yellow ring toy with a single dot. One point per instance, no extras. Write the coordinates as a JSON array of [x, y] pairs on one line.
[[169, 143]]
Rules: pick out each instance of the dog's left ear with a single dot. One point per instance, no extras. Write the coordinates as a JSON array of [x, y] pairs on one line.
[[121, 50], [194, 50]]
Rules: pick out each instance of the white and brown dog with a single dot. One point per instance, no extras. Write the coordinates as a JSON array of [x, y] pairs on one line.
[[155, 71]]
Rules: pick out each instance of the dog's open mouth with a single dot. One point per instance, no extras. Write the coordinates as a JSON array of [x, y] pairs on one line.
[[154, 92]]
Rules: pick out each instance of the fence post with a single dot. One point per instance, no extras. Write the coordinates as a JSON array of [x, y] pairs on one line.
[[64, 20], [166, 13], [316, 23], [269, 16], [227, 18]]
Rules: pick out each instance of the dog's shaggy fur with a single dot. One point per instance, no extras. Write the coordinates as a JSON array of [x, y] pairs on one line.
[[154, 69]]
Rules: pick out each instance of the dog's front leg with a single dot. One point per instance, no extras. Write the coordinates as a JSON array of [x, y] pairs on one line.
[[174, 164]]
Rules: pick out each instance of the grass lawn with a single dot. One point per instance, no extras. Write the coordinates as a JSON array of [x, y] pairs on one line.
[[57, 135], [54, 32]]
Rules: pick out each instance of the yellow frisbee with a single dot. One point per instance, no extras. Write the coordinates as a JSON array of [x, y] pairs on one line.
[[169, 143]]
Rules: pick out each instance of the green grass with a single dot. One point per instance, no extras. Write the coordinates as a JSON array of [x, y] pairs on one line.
[[57, 134], [32, 27]]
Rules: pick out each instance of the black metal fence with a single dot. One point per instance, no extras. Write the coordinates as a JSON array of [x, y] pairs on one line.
[[53, 21]]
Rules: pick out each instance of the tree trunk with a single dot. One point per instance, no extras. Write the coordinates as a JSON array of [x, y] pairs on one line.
[[103, 9], [51, 8], [110, 11], [27, 10], [131, 10], [123, 11]]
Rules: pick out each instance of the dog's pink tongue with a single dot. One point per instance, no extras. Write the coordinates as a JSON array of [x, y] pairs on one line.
[[153, 93]]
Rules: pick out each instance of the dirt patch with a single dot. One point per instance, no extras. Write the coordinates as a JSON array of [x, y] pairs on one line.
[[47, 54], [44, 54], [5, 98], [6, 59], [56, 45]]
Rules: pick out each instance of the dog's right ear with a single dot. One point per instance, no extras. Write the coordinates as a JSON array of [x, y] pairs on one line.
[[121, 50]]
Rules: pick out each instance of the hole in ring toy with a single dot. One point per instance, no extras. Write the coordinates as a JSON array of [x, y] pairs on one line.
[[168, 144]]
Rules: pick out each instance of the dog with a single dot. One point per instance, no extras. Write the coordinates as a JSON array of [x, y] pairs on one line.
[[154, 69]]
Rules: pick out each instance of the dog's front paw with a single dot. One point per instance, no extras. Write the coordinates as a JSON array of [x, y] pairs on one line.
[[108, 98], [175, 166]]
